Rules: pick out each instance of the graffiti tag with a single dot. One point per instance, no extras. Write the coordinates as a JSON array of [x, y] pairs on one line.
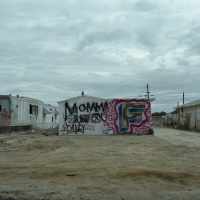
[[5, 116], [75, 128]]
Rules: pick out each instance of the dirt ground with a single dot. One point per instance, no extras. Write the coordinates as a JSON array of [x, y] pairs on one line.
[[163, 166]]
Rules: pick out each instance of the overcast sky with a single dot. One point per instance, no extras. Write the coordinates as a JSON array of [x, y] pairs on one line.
[[52, 50]]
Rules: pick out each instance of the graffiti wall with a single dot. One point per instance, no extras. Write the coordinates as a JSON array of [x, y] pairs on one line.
[[128, 116], [94, 117], [85, 118]]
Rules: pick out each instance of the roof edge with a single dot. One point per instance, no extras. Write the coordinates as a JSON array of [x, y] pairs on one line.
[[81, 96], [105, 99]]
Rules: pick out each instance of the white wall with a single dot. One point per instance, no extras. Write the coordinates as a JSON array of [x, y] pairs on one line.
[[121, 116], [193, 112], [65, 127]]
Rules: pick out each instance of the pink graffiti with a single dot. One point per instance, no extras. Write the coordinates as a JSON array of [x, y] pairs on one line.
[[112, 113], [110, 117], [5, 116]]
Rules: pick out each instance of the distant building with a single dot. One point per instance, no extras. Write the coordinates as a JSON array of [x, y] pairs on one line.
[[94, 116], [18, 113], [190, 114], [170, 119]]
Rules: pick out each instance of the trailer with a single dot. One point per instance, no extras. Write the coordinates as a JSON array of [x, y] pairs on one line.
[[23, 113]]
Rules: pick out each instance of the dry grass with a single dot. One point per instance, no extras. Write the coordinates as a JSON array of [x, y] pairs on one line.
[[106, 167]]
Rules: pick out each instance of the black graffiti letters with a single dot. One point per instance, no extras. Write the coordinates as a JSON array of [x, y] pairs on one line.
[[92, 107], [103, 117], [72, 110], [84, 118], [76, 116], [101, 106], [76, 119], [83, 107], [73, 128], [97, 117]]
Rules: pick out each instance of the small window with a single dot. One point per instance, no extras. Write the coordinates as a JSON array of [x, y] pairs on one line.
[[52, 119], [33, 109], [182, 110], [30, 109], [0, 108]]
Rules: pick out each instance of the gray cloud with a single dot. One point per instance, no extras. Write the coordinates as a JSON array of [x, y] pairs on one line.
[[144, 6], [52, 51]]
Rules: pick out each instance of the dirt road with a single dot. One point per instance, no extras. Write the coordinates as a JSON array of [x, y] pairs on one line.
[[100, 167], [179, 137]]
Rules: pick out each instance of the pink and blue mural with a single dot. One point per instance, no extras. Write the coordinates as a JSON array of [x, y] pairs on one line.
[[128, 116]]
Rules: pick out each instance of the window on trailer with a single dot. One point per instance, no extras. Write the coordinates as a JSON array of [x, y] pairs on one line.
[[30, 109], [33, 109], [0, 108]]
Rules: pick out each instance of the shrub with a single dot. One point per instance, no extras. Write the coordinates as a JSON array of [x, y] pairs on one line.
[[151, 131], [187, 122]]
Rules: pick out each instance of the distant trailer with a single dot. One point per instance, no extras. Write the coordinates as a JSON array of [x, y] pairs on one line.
[[88, 115], [19, 113]]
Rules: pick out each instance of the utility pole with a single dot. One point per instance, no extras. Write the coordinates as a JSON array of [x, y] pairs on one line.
[[147, 95], [183, 95], [178, 110], [147, 91]]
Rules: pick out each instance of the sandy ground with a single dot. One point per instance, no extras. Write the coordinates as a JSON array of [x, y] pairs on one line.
[[163, 166], [179, 137]]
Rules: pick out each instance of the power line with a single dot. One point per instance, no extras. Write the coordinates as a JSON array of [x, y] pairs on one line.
[[142, 90], [148, 92]]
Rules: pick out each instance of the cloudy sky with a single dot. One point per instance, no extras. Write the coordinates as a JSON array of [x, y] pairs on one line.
[[52, 50]]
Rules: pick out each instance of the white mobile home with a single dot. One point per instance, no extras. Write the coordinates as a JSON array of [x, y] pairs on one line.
[[19, 112], [94, 116]]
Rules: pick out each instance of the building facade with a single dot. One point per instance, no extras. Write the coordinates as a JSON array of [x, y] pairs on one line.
[[95, 116], [189, 114], [21, 112]]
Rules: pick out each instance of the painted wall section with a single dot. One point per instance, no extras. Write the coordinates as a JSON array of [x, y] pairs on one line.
[[128, 116], [93, 116], [5, 116], [82, 116], [5, 112]]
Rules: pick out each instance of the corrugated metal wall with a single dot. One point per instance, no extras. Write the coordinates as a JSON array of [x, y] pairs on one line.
[[15, 111]]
